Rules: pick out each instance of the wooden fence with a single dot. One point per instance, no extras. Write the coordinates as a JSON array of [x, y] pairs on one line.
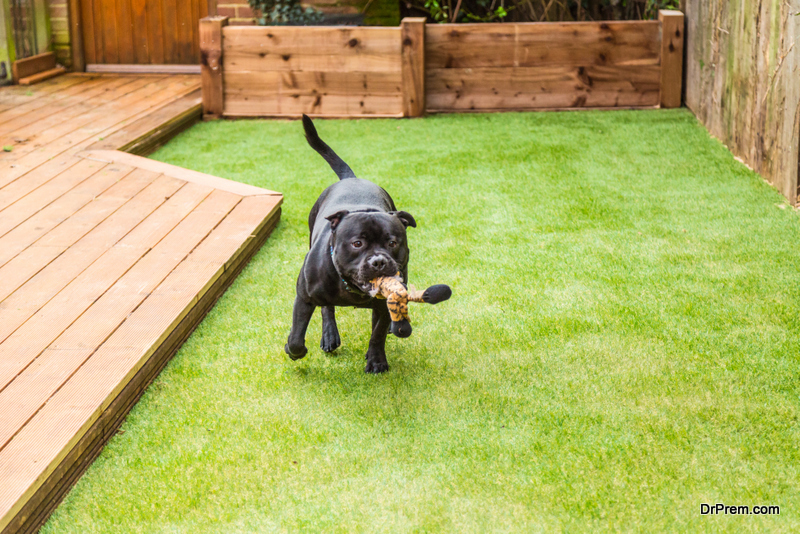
[[417, 68], [742, 83]]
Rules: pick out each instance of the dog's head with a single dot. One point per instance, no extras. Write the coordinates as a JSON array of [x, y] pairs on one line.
[[369, 244]]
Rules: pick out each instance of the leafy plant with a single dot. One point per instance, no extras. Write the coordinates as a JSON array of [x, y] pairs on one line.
[[445, 11], [284, 12]]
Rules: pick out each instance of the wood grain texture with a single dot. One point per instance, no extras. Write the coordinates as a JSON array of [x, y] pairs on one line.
[[488, 89], [26, 251], [576, 44], [57, 467], [20, 200], [527, 66], [315, 49], [39, 310], [329, 105], [211, 65], [186, 175], [155, 33], [125, 32], [141, 50], [139, 31], [73, 136], [253, 41], [63, 152], [169, 19], [266, 84], [102, 255], [318, 93], [23, 130], [108, 109], [109, 30], [742, 65], [23, 68], [320, 71], [142, 69], [48, 217], [284, 72], [671, 58], [95, 7], [46, 107], [412, 38], [33, 79], [54, 366], [143, 136], [76, 36]]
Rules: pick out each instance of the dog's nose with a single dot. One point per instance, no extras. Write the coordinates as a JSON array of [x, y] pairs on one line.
[[378, 262]]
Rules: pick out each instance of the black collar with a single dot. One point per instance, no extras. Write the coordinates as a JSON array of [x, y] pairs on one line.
[[346, 285]]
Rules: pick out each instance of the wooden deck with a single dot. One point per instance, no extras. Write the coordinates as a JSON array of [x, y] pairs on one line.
[[108, 260]]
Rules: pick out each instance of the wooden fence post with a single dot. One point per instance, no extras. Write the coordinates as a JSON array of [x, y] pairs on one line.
[[671, 57], [412, 36], [211, 66], [76, 36]]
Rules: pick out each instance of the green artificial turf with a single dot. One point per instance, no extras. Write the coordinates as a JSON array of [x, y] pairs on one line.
[[621, 345]]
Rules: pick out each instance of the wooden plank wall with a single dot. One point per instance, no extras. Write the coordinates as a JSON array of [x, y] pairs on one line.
[[355, 72], [320, 71], [524, 66], [742, 71], [143, 32]]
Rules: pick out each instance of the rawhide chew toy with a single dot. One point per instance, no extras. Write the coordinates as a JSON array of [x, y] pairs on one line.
[[398, 296]]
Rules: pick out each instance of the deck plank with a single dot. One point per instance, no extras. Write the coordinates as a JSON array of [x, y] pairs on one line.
[[20, 200], [26, 301], [102, 121], [42, 328], [110, 101], [143, 136], [16, 101], [41, 111], [20, 264], [61, 210], [75, 407], [93, 94], [107, 263], [28, 392]]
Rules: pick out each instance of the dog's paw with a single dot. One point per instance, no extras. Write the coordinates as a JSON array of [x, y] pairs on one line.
[[376, 367], [330, 341], [296, 353]]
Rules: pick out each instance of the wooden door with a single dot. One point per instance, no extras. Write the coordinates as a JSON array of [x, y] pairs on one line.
[[142, 32]]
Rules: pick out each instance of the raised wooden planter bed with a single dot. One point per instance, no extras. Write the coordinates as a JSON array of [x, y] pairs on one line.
[[417, 67]]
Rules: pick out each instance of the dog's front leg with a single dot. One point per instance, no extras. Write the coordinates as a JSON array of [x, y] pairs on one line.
[[296, 345], [376, 354], [330, 333]]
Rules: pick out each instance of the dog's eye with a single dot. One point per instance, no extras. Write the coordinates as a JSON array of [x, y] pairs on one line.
[[392, 244], [357, 244]]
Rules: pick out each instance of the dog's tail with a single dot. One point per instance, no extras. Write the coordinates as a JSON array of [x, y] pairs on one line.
[[341, 168]]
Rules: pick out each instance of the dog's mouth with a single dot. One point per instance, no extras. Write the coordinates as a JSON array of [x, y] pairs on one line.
[[366, 274]]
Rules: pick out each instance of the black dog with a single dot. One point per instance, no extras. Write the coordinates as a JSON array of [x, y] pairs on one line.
[[356, 236]]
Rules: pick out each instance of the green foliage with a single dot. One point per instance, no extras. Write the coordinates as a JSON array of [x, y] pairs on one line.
[[622, 344], [283, 12], [540, 10], [381, 12]]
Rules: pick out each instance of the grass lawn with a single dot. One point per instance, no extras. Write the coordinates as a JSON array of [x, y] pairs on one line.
[[621, 346]]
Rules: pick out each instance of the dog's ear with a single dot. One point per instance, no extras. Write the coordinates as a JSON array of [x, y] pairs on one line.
[[336, 218], [406, 218]]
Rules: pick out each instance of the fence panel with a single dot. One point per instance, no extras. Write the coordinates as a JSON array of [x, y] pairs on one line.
[[405, 71], [320, 71], [491, 67]]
